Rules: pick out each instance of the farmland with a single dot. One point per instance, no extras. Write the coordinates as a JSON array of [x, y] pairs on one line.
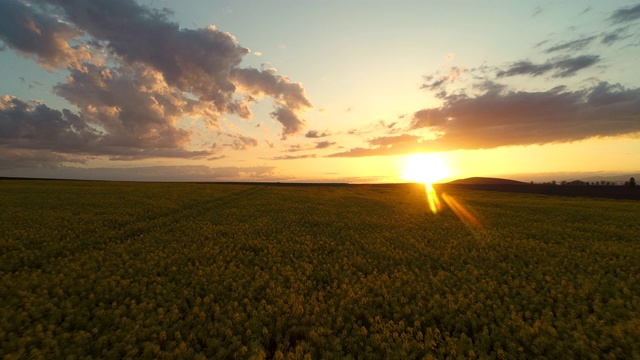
[[177, 270]]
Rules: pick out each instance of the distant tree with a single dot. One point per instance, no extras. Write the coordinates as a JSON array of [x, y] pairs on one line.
[[632, 182]]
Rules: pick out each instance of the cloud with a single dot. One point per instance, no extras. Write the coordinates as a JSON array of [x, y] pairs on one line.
[[289, 120], [34, 33], [437, 81], [293, 157], [377, 126], [537, 11], [133, 75], [574, 45], [520, 118], [589, 8], [385, 146], [315, 134], [561, 67], [158, 173], [260, 83], [197, 61], [240, 142], [134, 106], [509, 118], [323, 144], [615, 36], [34, 126], [318, 145], [626, 14], [393, 140], [11, 159]]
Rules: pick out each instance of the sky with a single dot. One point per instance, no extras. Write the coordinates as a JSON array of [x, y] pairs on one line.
[[317, 91]]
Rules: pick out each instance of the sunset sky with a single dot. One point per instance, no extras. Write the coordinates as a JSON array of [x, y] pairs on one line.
[[305, 91]]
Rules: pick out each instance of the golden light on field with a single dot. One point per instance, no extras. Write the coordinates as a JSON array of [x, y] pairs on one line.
[[426, 169]]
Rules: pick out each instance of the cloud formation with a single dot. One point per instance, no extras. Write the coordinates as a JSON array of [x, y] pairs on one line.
[[293, 157], [290, 122], [560, 67], [500, 117], [315, 134], [627, 14], [33, 32], [160, 173], [573, 45], [32, 126], [133, 75]]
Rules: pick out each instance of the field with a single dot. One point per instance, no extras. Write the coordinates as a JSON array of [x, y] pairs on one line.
[[169, 270]]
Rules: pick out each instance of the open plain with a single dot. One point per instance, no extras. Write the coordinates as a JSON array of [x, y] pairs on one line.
[[186, 270]]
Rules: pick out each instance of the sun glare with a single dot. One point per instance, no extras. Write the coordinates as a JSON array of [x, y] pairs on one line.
[[425, 168]]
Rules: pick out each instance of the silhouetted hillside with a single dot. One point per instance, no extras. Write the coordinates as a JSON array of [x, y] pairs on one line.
[[485, 181]]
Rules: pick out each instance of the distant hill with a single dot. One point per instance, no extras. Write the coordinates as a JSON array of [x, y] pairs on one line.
[[485, 181]]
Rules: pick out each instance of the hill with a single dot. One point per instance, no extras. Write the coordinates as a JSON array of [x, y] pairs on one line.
[[485, 181]]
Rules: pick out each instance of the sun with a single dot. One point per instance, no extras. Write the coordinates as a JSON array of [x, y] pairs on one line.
[[425, 168]]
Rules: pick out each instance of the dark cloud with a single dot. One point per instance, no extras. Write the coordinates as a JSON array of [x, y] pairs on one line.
[[626, 14], [520, 118], [133, 74], [203, 61], [574, 45], [36, 126], [197, 61], [615, 36], [33, 126], [509, 118], [289, 120], [561, 67], [32, 32], [134, 106], [324, 144], [314, 134], [267, 83], [11, 159]]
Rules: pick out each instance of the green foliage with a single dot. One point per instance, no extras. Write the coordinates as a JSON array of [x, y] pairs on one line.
[[139, 270]]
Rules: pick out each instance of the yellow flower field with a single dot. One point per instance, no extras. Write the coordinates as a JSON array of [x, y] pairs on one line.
[[180, 270]]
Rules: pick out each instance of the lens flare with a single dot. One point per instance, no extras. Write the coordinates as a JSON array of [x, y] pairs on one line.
[[432, 198], [461, 212], [426, 169]]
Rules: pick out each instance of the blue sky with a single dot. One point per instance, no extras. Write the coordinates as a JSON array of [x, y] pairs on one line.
[[317, 91]]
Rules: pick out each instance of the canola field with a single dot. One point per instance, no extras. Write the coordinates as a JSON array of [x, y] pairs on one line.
[[219, 271]]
